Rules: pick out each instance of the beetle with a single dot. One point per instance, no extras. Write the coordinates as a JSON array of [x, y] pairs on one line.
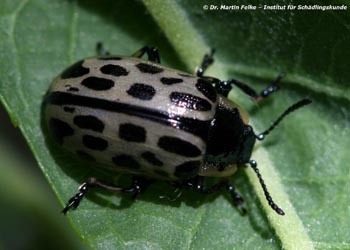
[[136, 116]]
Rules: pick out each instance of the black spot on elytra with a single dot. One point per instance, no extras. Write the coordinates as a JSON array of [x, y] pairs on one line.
[[141, 91], [75, 70], [151, 158], [60, 129], [69, 109], [97, 83], [148, 68], [110, 58], [132, 133], [206, 89], [73, 89], [161, 173], [114, 70], [126, 161], [187, 170], [95, 143], [189, 101], [178, 146], [170, 80], [85, 156], [89, 122]]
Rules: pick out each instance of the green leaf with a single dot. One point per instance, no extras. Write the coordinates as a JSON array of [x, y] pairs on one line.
[[28, 207], [304, 161]]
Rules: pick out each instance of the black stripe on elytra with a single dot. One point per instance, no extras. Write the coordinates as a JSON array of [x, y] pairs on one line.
[[89, 122], [197, 127], [114, 70], [97, 83], [69, 109], [132, 133], [189, 101], [75, 70], [206, 89], [149, 68], [178, 146], [187, 170], [170, 80]]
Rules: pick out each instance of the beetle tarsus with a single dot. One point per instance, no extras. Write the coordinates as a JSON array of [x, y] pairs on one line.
[[270, 89], [75, 200], [237, 198]]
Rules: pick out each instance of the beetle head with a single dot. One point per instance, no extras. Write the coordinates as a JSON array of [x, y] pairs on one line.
[[230, 141]]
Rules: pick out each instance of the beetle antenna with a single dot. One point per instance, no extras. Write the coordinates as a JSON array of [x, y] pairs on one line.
[[268, 197], [289, 110]]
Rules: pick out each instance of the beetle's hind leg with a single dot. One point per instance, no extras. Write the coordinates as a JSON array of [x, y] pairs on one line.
[[152, 53], [137, 186]]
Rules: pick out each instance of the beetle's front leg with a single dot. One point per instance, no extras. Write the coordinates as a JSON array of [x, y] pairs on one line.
[[263, 94], [199, 185], [208, 60], [224, 87]]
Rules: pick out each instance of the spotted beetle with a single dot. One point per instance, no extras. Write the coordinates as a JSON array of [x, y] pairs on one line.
[[139, 117]]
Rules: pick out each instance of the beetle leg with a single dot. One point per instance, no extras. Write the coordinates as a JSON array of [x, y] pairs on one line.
[[236, 197], [178, 193], [137, 186], [152, 53], [224, 87], [208, 59], [251, 92], [100, 49], [223, 183]]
